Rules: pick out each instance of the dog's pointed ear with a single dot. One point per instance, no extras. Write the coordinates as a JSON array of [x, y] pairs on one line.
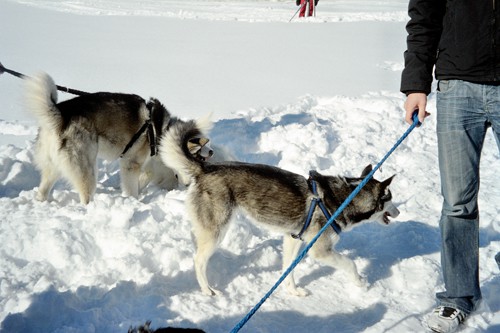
[[195, 144], [204, 141], [366, 171], [388, 181], [313, 174]]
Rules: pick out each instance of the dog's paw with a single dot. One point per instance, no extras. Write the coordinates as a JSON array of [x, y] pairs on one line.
[[211, 291], [297, 291], [40, 197], [361, 283]]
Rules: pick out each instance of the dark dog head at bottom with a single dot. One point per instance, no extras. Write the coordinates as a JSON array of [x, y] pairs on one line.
[[147, 329]]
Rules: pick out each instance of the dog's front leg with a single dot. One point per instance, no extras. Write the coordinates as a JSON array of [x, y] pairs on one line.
[[291, 248], [338, 261], [130, 171], [201, 276]]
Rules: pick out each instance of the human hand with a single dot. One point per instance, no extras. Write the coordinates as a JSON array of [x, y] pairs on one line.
[[416, 102]]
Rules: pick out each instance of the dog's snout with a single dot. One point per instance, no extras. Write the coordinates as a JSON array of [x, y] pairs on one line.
[[394, 212], [210, 153], [391, 210]]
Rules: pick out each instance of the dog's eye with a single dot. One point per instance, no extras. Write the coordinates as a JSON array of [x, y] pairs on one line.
[[383, 199], [386, 197]]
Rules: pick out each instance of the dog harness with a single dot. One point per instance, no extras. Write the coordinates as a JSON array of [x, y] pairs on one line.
[[152, 135], [316, 201]]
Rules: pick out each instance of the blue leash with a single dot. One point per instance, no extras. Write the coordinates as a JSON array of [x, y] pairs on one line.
[[346, 202]]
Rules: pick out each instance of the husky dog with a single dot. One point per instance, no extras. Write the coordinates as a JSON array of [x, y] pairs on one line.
[[73, 133], [274, 197]]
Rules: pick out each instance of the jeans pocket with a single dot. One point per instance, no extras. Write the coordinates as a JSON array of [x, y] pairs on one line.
[[445, 86]]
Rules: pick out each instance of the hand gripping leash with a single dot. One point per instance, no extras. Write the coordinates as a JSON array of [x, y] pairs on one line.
[[346, 202]]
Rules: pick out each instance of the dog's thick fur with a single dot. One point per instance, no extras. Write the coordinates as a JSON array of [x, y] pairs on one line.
[[73, 133], [157, 173], [274, 197]]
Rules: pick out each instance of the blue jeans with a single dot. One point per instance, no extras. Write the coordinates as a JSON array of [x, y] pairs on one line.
[[464, 113]]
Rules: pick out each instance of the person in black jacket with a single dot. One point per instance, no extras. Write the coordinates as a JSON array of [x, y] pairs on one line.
[[460, 40]]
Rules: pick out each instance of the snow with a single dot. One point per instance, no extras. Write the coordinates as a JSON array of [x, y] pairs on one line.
[[318, 93]]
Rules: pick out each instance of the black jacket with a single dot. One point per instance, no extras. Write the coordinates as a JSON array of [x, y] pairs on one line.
[[460, 38]]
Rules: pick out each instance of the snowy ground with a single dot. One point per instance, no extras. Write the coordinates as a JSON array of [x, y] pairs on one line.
[[320, 93]]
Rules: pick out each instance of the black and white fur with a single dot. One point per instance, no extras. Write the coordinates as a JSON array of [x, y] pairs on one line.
[[274, 197], [155, 171], [73, 133]]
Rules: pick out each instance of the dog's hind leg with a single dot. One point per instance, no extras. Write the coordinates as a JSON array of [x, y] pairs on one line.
[[49, 175], [46, 155], [291, 248], [84, 180], [80, 168], [86, 185], [206, 244], [210, 223]]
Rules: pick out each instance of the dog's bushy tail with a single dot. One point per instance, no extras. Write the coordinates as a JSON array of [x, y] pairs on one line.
[[41, 100], [174, 150]]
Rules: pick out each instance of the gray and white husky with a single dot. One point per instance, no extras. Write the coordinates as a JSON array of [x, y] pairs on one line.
[[274, 197], [73, 133]]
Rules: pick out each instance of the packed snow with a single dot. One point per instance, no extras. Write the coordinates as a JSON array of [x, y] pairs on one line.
[[318, 93]]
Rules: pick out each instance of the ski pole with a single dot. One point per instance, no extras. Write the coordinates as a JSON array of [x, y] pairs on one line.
[[300, 7]]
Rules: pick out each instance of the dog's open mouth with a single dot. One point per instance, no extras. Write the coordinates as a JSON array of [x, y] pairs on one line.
[[390, 214], [386, 218]]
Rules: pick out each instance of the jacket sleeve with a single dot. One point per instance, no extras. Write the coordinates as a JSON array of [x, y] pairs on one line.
[[424, 31]]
